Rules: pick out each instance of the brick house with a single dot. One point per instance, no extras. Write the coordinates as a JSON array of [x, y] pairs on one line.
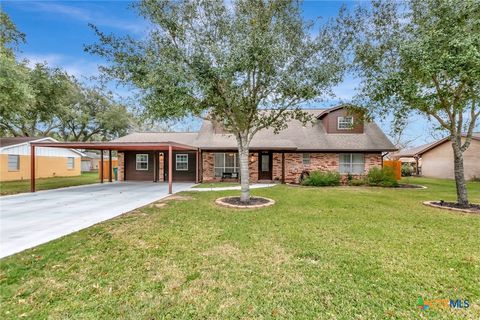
[[336, 141]]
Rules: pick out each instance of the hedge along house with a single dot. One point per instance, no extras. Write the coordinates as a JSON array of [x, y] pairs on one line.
[[50, 162], [336, 141]]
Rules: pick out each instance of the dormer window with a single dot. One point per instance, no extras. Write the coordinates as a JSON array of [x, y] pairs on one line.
[[345, 123]]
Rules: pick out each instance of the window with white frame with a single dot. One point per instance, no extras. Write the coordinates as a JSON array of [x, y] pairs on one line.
[[225, 162], [13, 162], [352, 163], [345, 123], [181, 162], [70, 163], [306, 159], [141, 161]]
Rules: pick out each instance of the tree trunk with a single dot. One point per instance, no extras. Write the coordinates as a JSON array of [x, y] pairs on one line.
[[462, 196], [243, 153]]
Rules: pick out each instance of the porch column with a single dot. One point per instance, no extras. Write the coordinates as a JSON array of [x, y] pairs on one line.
[[155, 166], [101, 166], [283, 167], [197, 165], [32, 168], [109, 165], [170, 169]]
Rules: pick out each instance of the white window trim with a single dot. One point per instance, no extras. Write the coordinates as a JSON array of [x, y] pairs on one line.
[[176, 161], [351, 163], [18, 163], [68, 163], [342, 119], [235, 162], [137, 162], [303, 159]]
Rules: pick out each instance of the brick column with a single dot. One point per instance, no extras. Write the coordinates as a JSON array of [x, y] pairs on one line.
[[121, 166], [161, 167]]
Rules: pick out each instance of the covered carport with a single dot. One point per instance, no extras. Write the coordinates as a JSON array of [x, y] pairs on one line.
[[157, 147]]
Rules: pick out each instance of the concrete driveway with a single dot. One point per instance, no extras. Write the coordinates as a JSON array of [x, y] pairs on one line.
[[27, 220]]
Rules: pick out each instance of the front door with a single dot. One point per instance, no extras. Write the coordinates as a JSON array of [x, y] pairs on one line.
[[265, 165]]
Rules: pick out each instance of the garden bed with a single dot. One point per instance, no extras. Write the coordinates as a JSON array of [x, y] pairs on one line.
[[255, 202], [410, 186], [470, 208]]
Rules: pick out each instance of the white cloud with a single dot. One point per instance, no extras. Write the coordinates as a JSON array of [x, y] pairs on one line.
[[78, 67]]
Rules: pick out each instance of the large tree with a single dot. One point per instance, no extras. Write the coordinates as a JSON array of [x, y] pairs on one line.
[[227, 62], [94, 115], [46, 101], [423, 56], [10, 36]]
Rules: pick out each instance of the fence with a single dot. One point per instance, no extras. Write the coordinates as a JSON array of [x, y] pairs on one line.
[[396, 165]]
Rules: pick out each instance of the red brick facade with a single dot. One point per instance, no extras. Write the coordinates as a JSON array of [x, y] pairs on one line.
[[121, 166], [293, 165]]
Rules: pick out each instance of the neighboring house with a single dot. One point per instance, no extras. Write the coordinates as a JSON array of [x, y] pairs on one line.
[[50, 162], [435, 159], [91, 161], [336, 141]]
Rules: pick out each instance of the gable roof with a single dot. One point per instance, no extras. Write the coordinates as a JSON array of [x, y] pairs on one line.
[[9, 142], [324, 112], [296, 136], [418, 151], [311, 137], [187, 138]]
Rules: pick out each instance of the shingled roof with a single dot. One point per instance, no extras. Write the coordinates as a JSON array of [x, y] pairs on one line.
[[296, 137], [418, 151], [10, 141]]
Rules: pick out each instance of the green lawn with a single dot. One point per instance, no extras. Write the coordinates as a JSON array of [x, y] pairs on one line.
[[11, 187], [217, 184], [326, 253]]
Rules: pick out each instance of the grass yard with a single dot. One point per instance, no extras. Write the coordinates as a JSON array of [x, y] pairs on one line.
[[326, 253], [12, 187]]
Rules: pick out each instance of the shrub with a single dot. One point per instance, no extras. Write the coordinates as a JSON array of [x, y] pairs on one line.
[[322, 178], [475, 179], [384, 177], [356, 182], [406, 170], [349, 177]]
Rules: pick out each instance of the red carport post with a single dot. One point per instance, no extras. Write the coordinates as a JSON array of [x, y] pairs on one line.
[[109, 165], [32, 168], [196, 167], [101, 166], [170, 170]]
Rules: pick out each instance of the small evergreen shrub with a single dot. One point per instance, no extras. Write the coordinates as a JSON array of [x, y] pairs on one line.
[[406, 170], [356, 182], [322, 178], [383, 177]]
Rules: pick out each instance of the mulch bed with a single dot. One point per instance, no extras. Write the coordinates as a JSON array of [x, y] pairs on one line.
[[410, 186], [234, 202], [472, 206], [253, 201]]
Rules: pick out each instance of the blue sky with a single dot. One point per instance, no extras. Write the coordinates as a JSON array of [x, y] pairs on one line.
[[58, 30]]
